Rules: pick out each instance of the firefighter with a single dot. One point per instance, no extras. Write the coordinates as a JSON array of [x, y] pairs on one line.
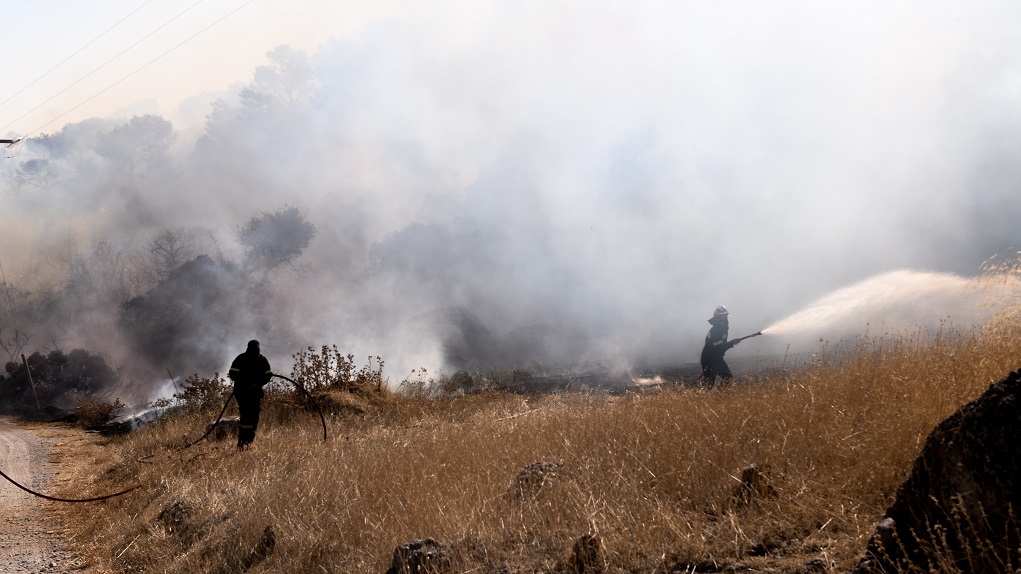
[[716, 345], [250, 372]]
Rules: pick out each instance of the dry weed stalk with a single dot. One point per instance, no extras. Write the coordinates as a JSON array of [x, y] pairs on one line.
[[330, 368]]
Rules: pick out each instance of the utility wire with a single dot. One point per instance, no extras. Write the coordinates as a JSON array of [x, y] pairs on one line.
[[185, 41], [64, 61], [101, 66]]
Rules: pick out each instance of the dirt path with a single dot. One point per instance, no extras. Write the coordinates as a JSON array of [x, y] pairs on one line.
[[30, 540]]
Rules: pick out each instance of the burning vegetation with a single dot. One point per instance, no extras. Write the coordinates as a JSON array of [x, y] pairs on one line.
[[781, 472]]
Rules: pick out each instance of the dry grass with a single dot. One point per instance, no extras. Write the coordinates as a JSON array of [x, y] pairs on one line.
[[653, 476]]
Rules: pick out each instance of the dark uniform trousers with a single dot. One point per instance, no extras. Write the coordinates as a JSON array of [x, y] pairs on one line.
[[249, 406], [250, 371]]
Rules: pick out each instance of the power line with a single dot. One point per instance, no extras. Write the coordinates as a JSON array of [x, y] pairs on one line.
[[64, 61], [185, 41], [101, 66]]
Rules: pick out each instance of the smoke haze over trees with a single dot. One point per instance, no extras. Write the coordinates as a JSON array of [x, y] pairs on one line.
[[599, 178]]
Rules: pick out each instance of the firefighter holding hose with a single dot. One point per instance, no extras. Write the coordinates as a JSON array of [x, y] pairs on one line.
[[716, 345], [250, 372]]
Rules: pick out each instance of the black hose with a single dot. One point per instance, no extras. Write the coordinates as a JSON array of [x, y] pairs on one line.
[[311, 399], [189, 445], [300, 387], [98, 498], [55, 499], [212, 426]]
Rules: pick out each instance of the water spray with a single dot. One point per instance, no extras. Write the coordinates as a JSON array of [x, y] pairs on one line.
[[895, 302]]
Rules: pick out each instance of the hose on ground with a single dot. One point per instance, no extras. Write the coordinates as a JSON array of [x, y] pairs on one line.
[[311, 399], [322, 418], [55, 499], [212, 426]]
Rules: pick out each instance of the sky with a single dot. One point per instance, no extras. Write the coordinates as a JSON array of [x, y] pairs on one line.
[[136, 56], [573, 181]]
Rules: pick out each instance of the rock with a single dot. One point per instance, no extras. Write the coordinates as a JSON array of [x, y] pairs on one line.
[[262, 548], [175, 516], [588, 556], [225, 428], [817, 566], [462, 381], [179, 519], [755, 484], [960, 504], [420, 557], [533, 478]]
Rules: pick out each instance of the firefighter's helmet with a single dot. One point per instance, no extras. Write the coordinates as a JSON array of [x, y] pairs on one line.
[[721, 310]]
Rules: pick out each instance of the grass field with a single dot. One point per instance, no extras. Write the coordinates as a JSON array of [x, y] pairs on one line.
[[654, 477]]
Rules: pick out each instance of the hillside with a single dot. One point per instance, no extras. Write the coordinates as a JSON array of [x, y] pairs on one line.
[[508, 482]]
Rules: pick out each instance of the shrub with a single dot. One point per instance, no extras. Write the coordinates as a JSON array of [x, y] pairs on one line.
[[201, 394], [57, 377], [329, 368], [92, 413]]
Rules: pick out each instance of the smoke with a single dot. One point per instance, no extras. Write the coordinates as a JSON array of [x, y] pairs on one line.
[[567, 183]]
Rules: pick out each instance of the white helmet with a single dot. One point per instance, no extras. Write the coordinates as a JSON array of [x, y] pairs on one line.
[[721, 310]]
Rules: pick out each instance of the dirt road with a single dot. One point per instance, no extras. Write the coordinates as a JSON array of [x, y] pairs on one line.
[[29, 539]]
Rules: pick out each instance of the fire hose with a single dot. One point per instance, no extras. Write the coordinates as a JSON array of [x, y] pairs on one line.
[[212, 427], [739, 339], [301, 387], [298, 385], [310, 398], [55, 499], [732, 342]]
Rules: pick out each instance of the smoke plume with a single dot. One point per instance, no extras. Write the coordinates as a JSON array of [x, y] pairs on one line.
[[494, 184]]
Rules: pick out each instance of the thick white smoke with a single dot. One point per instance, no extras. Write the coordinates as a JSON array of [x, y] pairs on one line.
[[579, 180]]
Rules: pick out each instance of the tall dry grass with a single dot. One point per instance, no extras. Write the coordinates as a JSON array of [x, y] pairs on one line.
[[652, 475]]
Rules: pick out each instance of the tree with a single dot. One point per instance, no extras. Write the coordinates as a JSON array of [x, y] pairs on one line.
[[58, 377], [273, 239], [34, 173], [273, 112], [139, 147], [101, 277], [14, 335], [289, 79], [183, 322], [168, 250]]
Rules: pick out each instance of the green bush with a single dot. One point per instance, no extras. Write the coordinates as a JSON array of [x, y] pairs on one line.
[[202, 394]]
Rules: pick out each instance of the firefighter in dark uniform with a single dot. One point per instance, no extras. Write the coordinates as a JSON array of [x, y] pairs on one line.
[[716, 345], [250, 372]]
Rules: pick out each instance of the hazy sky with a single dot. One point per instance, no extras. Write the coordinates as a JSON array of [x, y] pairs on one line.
[[617, 168], [223, 41]]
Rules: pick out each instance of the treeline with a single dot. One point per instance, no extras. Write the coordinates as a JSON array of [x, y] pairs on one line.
[[55, 379], [125, 251], [163, 305]]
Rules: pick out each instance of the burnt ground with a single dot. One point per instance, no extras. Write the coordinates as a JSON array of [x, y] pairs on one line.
[[641, 378]]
